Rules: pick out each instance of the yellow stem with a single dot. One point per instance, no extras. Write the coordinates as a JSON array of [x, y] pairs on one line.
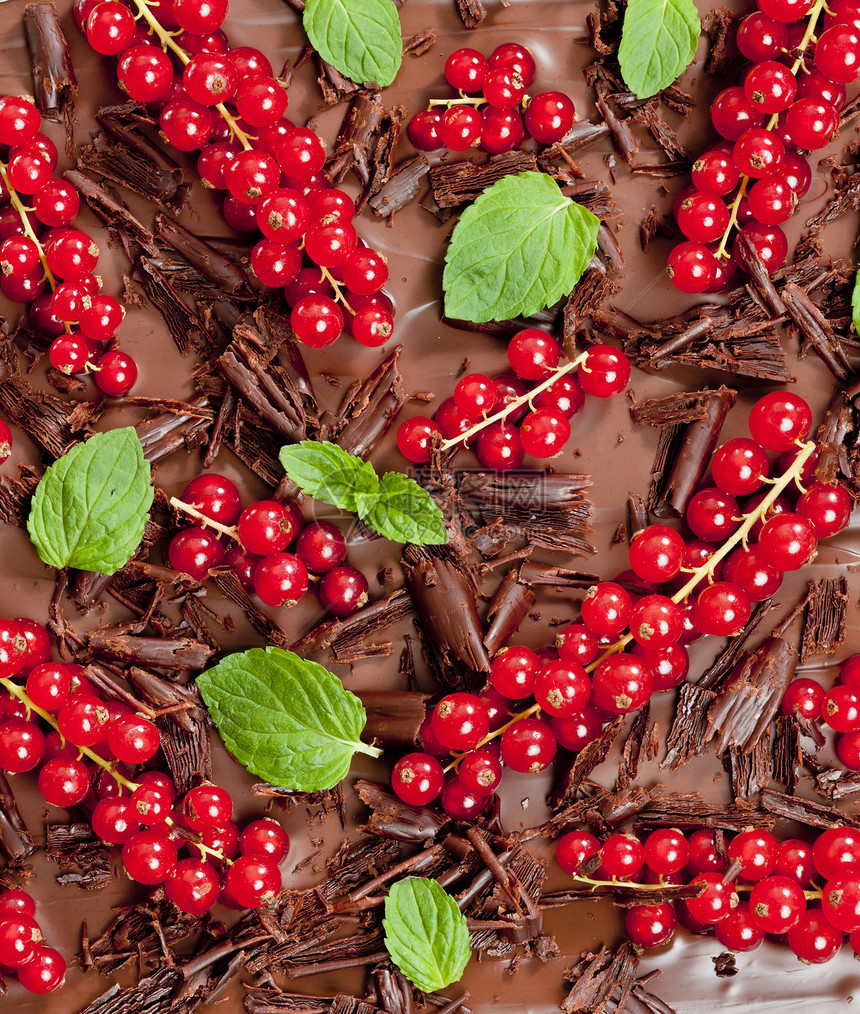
[[336, 285], [813, 16], [633, 886], [168, 42], [186, 508], [512, 406], [46, 716]]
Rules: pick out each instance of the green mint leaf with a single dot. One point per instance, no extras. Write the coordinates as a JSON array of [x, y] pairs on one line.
[[855, 303], [328, 473], [658, 43], [360, 38], [519, 248], [395, 506], [90, 507], [286, 719], [405, 512], [425, 933]]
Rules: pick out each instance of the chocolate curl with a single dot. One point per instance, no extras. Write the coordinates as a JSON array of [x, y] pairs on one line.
[[637, 515], [824, 623], [124, 155], [394, 717], [345, 634], [456, 183], [112, 213], [394, 820], [837, 427], [357, 138], [16, 842], [750, 697], [815, 330], [689, 462], [54, 82], [804, 811], [400, 188], [167, 432], [165, 698], [472, 12], [759, 274], [224, 273], [508, 608], [602, 981], [369, 408], [445, 599], [113, 644]]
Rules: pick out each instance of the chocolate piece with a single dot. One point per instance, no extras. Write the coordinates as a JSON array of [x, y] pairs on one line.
[[54, 83], [347, 635], [595, 195], [16, 842], [581, 135], [685, 455], [787, 754], [186, 327], [620, 895], [825, 618], [472, 12], [394, 717], [421, 43], [382, 165], [678, 408], [546, 509], [44, 418], [725, 965], [400, 187], [719, 25], [555, 577], [15, 496], [846, 200], [357, 137], [369, 408], [333, 85], [394, 820], [648, 114], [759, 274], [508, 608], [750, 770], [837, 430], [804, 811], [749, 698], [224, 273], [815, 330], [121, 224], [586, 299], [687, 812], [582, 764], [836, 784], [231, 586], [602, 981], [446, 603], [454, 183], [125, 155], [187, 750], [116, 644], [167, 432], [637, 515], [84, 859]]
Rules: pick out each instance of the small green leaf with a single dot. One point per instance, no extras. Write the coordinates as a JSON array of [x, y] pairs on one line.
[[360, 38], [658, 43], [90, 507], [395, 506], [332, 475], [855, 303], [519, 248], [425, 933], [405, 512], [286, 719]]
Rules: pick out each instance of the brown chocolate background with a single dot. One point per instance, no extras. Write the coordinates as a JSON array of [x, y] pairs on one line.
[[604, 444]]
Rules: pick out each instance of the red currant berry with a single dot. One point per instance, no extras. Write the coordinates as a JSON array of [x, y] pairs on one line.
[[502, 130], [145, 73], [480, 772], [787, 541], [500, 448], [605, 372], [716, 902], [622, 855], [621, 684], [714, 172], [516, 58], [692, 267], [732, 114], [280, 579], [195, 551], [576, 731], [651, 925], [83, 719], [207, 806], [317, 321], [606, 608], [513, 672], [254, 880], [828, 508], [425, 130], [657, 553], [343, 590], [779, 420], [813, 939], [461, 803], [761, 38], [722, 609], [475, 396], [837, 53], [133, 740], [811, 123], [321, 547], [461, 128], [739, 931], [803, 697], [549, 116], [64, 781], [840, 709], [460, 721], [465, 70], [702, 217], [533, 354], [528, 745], [265, 837], [755, 852], [562, 688], [283, 216], [770, 86], [667, 851], [193, 886], [574, 849], [414, 438], [149, 857], [267, 527], [200, 17], [20, 940]]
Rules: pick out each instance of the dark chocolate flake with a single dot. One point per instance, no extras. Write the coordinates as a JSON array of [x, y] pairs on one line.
[[825, 619], [54, 82], [84, 859], [454, 183]]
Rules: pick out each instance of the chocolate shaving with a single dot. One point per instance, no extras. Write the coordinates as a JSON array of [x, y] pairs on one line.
[[602, 981], [748, 700], [186, 327], [804, 811], [787, 754], [401, 187], [348, 634], [582, 764], [394, 717], [624, 897], [54, 83], [444, 597], [688, 812], [167, 432], [719, 24], [231, 586], [508, 608], [369, 408], [759, 274], [152, 995], [396, 821], [121, 224], [472, 12], [586, 299], [846, 200], [16, 842], [223, 273], [15, 496], [125, 155], [84, 859], [421, 43], [44, 418], [825, 618], [725, 965], [750, 770], [648, 114], [836, 784], [357, 138], [815, 330], [187, 750], [595, 195], [333, 85], [115, 644], [454, 183]]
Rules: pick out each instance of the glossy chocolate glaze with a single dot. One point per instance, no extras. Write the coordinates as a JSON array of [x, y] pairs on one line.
[[605, 444]]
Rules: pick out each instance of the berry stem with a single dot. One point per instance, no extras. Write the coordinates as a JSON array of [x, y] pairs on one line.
[[186, 508], [18, 205], [808, 35], [168, 42], [46, 716], [814, 895], [512, 406], [462, 101], [707, 568], [336, 285]]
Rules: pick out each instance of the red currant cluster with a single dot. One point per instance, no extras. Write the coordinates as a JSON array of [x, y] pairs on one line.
[[502, 80], [838, 708], [778, 877], [88, 758], [262, 532], [40, 969], [787, 101], [38, 247], [511, 420], [226, 103]]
